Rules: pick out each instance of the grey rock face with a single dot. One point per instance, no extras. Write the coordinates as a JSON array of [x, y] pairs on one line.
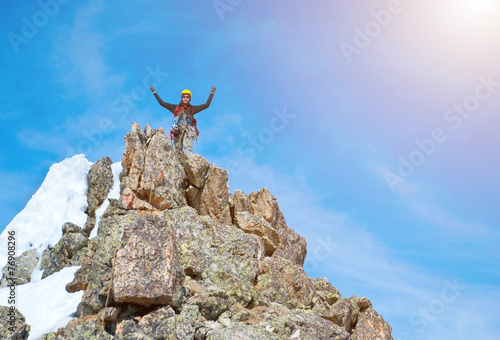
[[13, 324], [147, 269], [66, 252], [25, 264], [242, 331], [100, 181], [215, 196], [196, 168]]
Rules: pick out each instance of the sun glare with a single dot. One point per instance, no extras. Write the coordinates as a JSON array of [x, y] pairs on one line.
[[479, 7]]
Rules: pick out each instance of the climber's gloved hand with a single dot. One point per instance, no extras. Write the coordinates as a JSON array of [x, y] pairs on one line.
[[152, 88], [212, 90]]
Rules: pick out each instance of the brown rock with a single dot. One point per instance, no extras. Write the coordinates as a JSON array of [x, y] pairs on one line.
[[258, 226], [262, 203], [215, 196], [285, 282], [343, 312], [371, 326], [196, 168], [152, 176], [109, 314], [147, 269]]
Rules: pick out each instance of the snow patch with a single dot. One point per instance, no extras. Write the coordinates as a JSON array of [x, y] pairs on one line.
[[61, 198], [46, 304]]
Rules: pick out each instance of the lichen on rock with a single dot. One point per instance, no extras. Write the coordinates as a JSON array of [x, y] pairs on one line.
[[178, 256]]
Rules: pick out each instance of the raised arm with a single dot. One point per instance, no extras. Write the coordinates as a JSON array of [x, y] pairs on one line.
[[202, 107], [168, 106]]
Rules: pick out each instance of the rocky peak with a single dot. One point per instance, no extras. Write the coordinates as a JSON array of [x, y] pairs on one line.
[[178, 256]]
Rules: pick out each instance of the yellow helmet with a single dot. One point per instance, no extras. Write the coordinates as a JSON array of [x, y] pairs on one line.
[[186, 91]]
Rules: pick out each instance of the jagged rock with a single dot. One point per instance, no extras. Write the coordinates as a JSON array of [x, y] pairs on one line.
[[152, 177], [205, 248], [257, 225], [362, 303], [321, 284], [64, 252], [237, 291], [149, 322], [240, 201], [89, 225], [100, 181], [147, 269], [285, 282], [69, 227], [343, 312], [163, 323], [49, 336], [211, 307], [190, 311], [89, 328], [196, 168], [371, 326], [13, 324], [215, 196], [241, 331], [128, 329], [311, 326], [262, 203], [109, 314], [25, 264]]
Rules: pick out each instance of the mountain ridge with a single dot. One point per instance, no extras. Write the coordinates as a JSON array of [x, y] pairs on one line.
[[176, 256]]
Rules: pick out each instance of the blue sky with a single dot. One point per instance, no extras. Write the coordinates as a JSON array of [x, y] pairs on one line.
[[372, 122]]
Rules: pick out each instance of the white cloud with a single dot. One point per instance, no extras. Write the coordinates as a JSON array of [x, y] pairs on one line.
[[421, 204]]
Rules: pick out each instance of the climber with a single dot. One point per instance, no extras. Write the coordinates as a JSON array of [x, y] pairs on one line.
[[184, 130]]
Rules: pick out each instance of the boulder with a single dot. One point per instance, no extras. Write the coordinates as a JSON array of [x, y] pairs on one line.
[[257, 225], [25, 264], [215, 196], [147, 269], [303, 324], [242, 331], [196, 168], [89, 328], [69, 228], [100, 181], [285, 282], [371, 326], [343, 313], [66, 252]]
